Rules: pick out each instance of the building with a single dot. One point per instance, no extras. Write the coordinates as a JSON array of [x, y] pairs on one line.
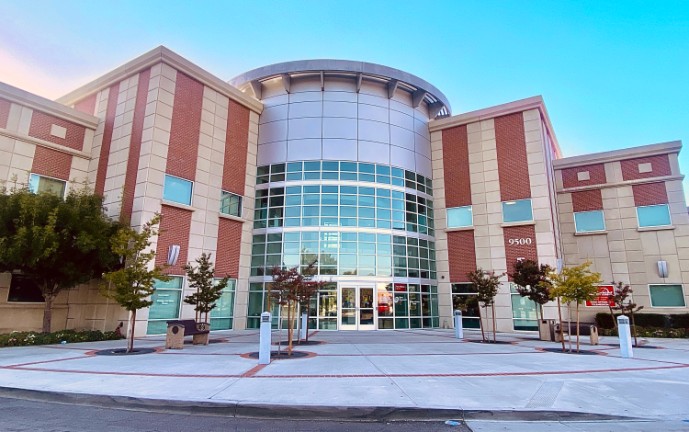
[[358, 166]]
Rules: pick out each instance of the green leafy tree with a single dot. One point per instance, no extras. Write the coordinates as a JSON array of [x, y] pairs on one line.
[[307, 289], [208, 291], [575, 284], [486, 284], [132, 285], [58, 243], [532, 282], [622, 297]]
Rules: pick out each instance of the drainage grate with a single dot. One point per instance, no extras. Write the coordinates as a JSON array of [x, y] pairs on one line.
[[545, 395]]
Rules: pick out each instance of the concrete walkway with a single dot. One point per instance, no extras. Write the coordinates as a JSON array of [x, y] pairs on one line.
[[366, 375]]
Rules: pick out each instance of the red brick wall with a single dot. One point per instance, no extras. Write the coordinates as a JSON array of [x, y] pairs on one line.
[[587, 200], [185, 128], [229, 244], [456, 167], [135, 145], [4, 113], [236, 147], [517, 250], [107, 138], [175, 225], [650, 194], [660, 165], [87, 105], [596, 176], [40, 128], [513, 166], [461, 252], [51, 163]]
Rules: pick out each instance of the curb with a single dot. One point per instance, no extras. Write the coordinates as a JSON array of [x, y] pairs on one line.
[[300, 412]]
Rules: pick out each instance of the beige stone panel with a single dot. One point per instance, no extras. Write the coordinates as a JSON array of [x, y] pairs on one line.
[[24, 121], [649, 243]]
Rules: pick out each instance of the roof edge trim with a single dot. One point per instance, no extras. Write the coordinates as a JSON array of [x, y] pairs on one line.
[[620, 154]]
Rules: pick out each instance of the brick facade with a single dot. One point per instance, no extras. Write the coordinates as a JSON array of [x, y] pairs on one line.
[[185, 128], [107, 138], [236, 145], [456, 167], [40, 128], [650, 194], [513, 166], [175, 225], [587, 200], [596, 174], [227, 255], [87, 105], [517, 245], [462, 254], [660, 166], [51, 163]]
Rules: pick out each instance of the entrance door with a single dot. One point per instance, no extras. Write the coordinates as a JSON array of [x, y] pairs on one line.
[[357, 310]]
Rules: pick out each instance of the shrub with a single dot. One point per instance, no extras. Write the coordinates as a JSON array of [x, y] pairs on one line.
[[680, 321], [68, 336], [651, 320]]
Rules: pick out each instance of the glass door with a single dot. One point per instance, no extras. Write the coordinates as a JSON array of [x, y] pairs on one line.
[[357, 310]]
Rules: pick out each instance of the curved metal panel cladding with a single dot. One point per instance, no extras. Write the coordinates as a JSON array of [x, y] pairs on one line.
[[330, 120]]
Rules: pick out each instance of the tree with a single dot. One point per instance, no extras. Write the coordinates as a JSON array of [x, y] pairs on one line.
[[486, 284], [532, 282], [575, 284], [289, 288], [207, 290], [58, 243], [132, 285], [625, 304], [307, 290]]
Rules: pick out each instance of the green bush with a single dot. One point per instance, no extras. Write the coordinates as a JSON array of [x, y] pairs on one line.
[[680, 321], [67, 336], [677, 321], [604, 320], [655, 332], [651, 320]]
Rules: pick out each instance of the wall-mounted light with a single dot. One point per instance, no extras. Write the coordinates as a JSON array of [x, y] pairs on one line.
[[172, 255], [662, 269]]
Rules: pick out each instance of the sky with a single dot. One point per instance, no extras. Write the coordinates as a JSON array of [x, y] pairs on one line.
[[613, 74]]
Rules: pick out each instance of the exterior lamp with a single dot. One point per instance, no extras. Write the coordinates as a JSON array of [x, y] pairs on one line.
[[172, 254], [662, 269]]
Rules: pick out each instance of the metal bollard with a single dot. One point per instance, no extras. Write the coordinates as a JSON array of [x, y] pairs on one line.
[[459, 331], [625, 337], [265, 339]]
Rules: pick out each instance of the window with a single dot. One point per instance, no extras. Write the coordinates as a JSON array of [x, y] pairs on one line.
[[40, 184], [667, 295], [517, 211], [24, 289], [230, 204], [166, 303], [460, 217], [464, 299], [523, 311], [221, 316], [177, 190], [589, 221], [653, 215]]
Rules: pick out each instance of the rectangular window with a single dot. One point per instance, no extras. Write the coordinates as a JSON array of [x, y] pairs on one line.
[[589, 221], [459, 217], [464, 299], [523, 311], [24, 289], [221, 316], [230, 204], [166, 299], [653, 215], [40, 184], [667, 295], [517, 211], [177, 190]]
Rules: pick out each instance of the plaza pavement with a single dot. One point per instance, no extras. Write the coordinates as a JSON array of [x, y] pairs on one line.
[[378, 375]]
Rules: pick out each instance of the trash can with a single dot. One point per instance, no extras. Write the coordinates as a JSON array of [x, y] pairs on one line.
[[559, 335], [546, 330], [594, 335], [175, 336]]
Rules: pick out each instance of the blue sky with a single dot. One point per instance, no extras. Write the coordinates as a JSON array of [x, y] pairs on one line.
[[614, 74]]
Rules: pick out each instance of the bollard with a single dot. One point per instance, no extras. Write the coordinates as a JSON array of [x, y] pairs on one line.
[[625, 337], [304, 327], [264, 341], [459, 331]]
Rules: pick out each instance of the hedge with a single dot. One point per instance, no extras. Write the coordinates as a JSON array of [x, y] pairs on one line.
[[649, 320], [66, 336]]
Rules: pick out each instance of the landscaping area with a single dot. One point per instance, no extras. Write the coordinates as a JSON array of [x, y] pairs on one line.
[[62, 336], [648, 325]]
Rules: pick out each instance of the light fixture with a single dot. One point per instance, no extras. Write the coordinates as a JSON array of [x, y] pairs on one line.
[[172, 254], [662, 269]]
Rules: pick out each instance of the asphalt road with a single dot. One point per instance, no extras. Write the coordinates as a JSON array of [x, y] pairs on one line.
[[26, 415]]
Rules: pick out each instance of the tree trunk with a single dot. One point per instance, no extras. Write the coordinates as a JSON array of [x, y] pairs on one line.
[[130, 333], [612, 314], [578, 327], [480, 324], [492, 311], [569, 325], [539, 314], [559, 314], [48, 312], [289, 329], [631, 314], [307, 320]]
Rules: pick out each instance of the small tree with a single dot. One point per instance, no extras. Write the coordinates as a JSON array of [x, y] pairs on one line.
[[132, 285], [208, 292], [57, 243], [576, 284], [307, 290], [625, 304], [486, 284], [532, 282]]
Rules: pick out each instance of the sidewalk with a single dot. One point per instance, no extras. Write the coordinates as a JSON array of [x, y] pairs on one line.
[[365, 375]]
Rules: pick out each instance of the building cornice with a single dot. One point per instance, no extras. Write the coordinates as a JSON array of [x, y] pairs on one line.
[[30, 100], [534, 102], [618, 155], [162, 54]]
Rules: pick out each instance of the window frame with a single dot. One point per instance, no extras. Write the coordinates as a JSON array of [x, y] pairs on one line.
[[511, 202], [239, 205], [41, 176], [576, 225], [650, 295], [471, 216], [191, 190], [669, 215]]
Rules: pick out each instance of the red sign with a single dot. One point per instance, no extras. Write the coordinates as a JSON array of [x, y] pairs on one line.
[[605, 293], [400, 287]]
